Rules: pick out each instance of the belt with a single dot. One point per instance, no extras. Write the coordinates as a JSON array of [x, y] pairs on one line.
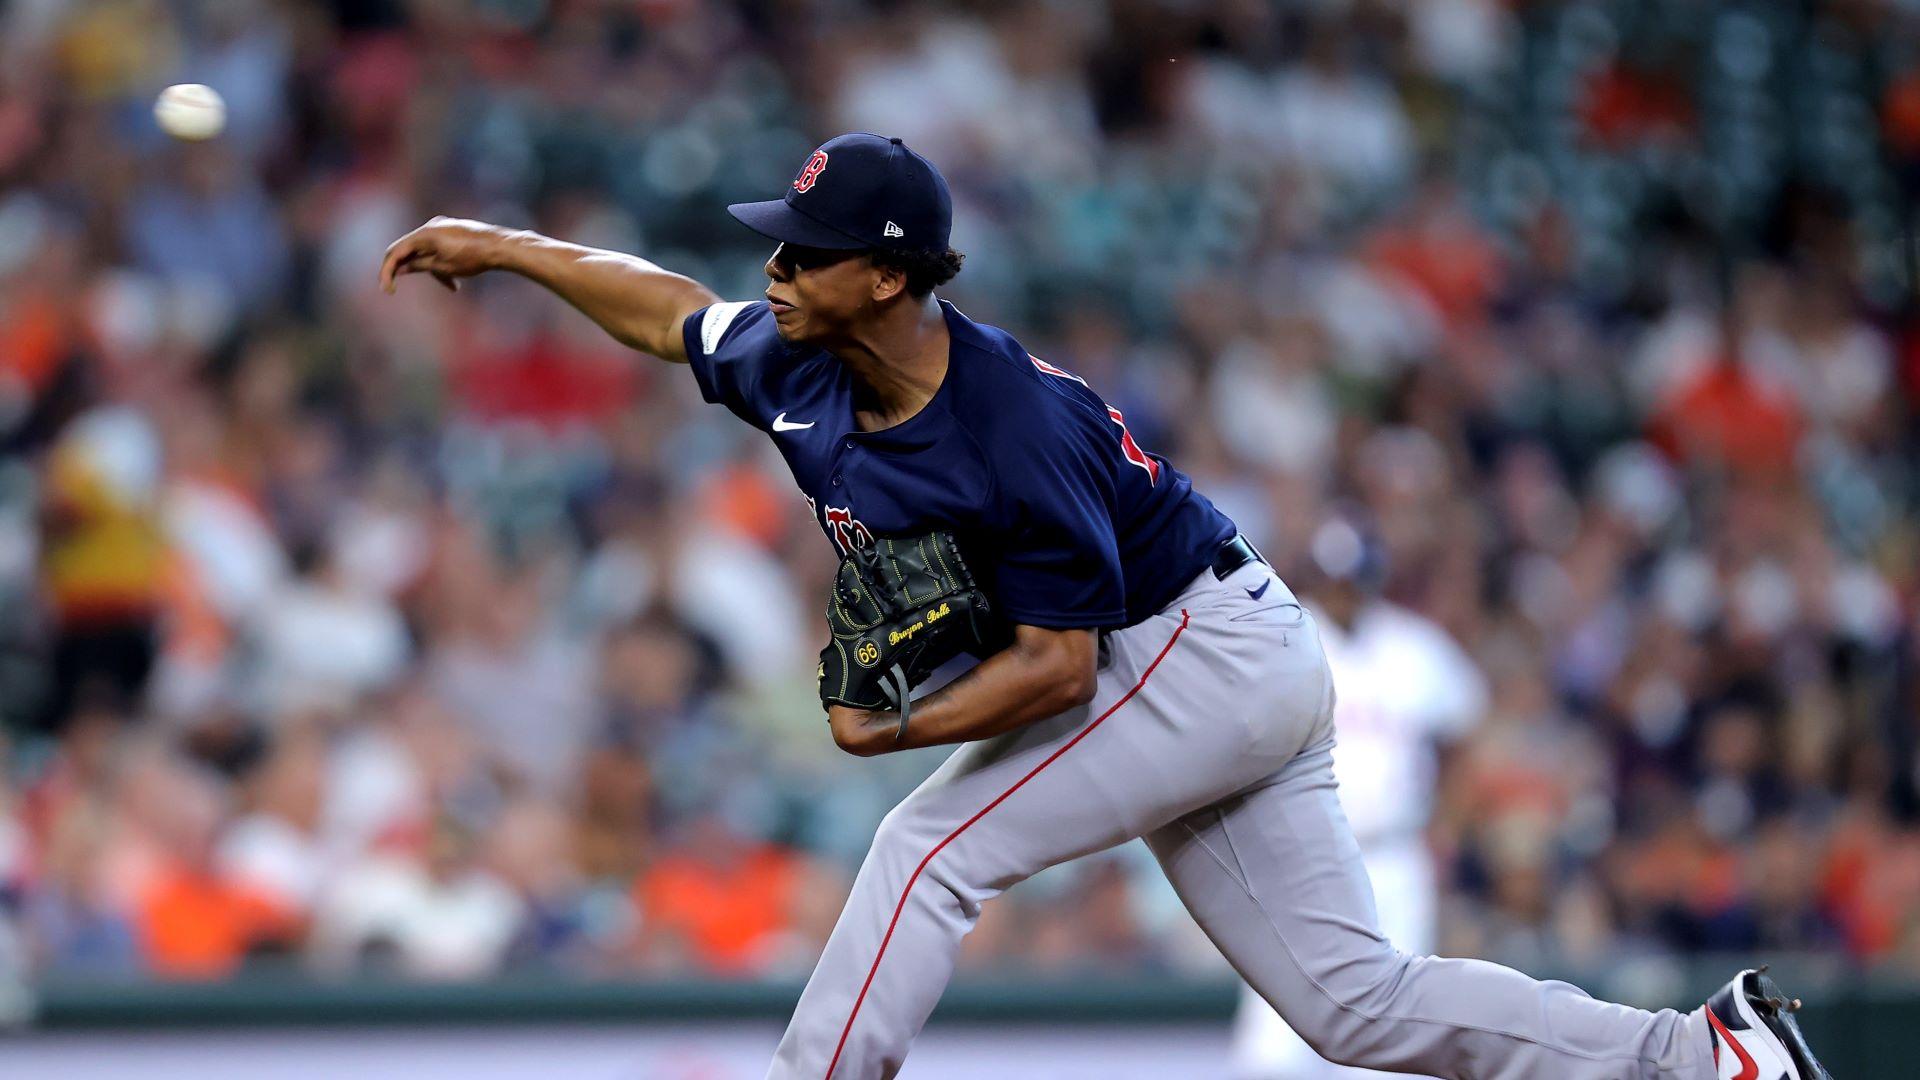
[[1233, 555]]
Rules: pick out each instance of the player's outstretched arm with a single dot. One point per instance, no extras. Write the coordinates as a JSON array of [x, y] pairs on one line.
[[641, 305]]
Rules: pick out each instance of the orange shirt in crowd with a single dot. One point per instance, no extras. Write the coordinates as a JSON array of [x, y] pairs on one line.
[[726, 913], [1449, 261], [195, 924], [1727, 415], [740, 497], [33, 340]]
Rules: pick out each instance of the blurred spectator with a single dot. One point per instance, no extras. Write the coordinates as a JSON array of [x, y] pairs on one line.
[[194, 918], [323, 642], [275, 845], [104, 559], [500, 661], [440, 916], [75, 923], [531, 851], [726, 903], [211, 223]]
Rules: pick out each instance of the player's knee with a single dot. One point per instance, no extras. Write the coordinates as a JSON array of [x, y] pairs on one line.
[[1336, 1033], [906, 829], [1326, 1038], [901, 845], [1338, 1020], [1361, 974]]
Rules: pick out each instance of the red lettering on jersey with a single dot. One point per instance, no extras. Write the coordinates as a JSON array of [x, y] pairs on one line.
[[811, 171], [1132, 449], [847, 531], [1127, 446]]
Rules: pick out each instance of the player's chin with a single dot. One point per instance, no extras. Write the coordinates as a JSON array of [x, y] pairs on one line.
[[791, 326]]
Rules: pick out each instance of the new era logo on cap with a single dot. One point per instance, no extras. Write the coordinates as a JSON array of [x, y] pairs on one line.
[[872, 179]]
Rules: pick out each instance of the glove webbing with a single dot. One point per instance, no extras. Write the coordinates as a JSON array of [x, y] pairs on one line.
[[898, 691]]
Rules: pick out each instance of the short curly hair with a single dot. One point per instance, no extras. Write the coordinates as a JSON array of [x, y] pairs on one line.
[[925, 270]]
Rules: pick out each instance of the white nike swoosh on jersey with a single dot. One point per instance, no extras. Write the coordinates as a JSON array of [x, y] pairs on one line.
[[780, 424]]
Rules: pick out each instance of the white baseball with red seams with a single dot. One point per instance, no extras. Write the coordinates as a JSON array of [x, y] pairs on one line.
[[190, 111], [1211, 737]]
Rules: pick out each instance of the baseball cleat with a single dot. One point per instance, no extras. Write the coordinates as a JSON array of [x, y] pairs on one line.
[[1754, 1034]]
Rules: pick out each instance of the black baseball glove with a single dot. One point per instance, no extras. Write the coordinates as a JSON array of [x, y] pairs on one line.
[[900, 609]]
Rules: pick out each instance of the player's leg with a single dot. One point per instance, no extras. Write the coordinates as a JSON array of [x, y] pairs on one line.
[[1161, 737], [1401, 872], [1274, 877], [1265, 1048]]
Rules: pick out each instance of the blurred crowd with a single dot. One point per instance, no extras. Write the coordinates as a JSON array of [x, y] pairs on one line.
[[436, 634]]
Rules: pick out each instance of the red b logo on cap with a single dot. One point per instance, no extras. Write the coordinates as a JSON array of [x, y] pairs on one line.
[[816, 165]]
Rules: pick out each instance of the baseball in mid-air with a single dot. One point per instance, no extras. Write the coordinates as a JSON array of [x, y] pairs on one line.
[[190, 111]]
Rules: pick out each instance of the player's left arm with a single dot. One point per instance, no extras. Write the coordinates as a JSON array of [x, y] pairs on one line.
[[1044, 672]]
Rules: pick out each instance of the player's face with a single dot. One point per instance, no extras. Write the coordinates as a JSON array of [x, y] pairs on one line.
[[815, 293]]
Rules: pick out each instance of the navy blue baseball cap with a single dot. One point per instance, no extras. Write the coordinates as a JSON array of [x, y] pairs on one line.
[[858, 191]]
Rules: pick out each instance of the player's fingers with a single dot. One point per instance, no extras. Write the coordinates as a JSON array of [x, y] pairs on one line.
[[394, 264], [446, 279]]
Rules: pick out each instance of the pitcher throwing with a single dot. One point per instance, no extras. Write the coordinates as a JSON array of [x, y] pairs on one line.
[[1152, 678]]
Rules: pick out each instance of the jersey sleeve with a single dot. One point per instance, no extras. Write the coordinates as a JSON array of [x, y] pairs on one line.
[[729, 348], [1059, 563]]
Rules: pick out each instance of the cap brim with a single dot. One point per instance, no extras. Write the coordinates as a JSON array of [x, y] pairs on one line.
[[776, 220]]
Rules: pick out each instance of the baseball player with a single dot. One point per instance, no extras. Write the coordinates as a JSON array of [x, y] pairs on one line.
[[1405, 689], [1155, 680]]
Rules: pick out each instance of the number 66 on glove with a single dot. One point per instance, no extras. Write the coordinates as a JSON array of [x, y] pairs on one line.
[[898, 610]]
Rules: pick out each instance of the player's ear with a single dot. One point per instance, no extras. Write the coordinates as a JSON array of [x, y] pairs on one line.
[[888, 282]]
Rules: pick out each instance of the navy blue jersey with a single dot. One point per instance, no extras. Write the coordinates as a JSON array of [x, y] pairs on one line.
[[1067, 522]]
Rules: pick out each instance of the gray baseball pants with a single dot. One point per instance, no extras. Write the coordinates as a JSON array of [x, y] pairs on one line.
[[1210, 736]]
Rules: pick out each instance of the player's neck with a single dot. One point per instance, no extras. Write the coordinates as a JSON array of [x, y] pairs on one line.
[[898, 363]]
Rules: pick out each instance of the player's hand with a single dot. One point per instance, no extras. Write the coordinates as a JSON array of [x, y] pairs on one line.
[[448, 248]]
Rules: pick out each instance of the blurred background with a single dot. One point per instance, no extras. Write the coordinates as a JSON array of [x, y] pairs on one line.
[[355, 645]]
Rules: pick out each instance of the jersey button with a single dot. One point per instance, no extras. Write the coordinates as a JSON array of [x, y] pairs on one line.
[[849, 444], [836, 481]]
